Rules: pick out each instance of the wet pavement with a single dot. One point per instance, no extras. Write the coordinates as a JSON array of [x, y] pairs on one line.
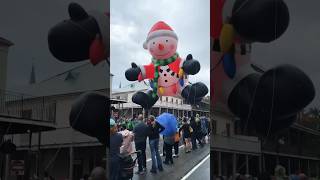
[[183, 165]]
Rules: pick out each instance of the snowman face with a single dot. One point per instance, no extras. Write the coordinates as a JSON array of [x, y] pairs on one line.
[[162, 47]]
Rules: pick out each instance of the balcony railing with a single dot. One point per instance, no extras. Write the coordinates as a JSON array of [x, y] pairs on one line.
[[23, 106]]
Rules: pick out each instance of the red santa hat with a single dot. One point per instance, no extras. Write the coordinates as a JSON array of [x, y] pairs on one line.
[[159, 29]]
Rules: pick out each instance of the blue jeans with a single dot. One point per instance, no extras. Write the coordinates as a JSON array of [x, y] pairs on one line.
[[155, 155]]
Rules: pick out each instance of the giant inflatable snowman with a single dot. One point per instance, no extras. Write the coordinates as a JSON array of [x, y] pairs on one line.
[[167, 72]]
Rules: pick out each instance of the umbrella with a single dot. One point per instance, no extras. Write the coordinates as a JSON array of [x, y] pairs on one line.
[[169, 122]]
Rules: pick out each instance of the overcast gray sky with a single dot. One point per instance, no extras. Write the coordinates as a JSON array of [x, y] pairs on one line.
[[132, 20], [299, 45], [26, 24]]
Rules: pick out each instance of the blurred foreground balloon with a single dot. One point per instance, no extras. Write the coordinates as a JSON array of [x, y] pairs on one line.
[[260, 21], [89, 115]]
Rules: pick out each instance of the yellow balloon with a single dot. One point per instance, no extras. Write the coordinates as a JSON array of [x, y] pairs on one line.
[[181, 72], [226, 37], [161, 90]]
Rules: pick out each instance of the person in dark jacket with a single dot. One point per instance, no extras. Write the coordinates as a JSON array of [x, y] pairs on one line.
[[116, 141], [186, 134], [196, 134], [140, 137], [154, 129], [168, 142]]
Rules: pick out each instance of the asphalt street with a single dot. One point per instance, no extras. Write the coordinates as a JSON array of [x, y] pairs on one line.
[[194, 165]]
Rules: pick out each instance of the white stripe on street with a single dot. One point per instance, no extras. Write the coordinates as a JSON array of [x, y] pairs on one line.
[[162, 154], [195, 168]]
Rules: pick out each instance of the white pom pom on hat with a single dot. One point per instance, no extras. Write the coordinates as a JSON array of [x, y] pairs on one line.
[[159, 29]]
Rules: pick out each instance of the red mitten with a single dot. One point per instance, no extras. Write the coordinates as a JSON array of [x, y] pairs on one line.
[[140, 77], [97, 51]]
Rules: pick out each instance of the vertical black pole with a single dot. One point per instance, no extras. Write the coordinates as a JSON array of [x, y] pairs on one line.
[[28, 159]]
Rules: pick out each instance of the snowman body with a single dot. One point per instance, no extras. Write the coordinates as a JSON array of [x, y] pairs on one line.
[[169, 82]]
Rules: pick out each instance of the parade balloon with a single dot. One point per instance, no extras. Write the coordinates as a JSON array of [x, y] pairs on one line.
[[226, 37], [169, 122], [167, 72], [82, 37], [229, 65], [89, 114], [260, 21]]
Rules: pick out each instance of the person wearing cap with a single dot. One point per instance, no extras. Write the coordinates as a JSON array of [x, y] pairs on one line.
[[116, 141]]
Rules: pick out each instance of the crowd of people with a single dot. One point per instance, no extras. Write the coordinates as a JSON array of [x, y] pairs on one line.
[[125, 133]]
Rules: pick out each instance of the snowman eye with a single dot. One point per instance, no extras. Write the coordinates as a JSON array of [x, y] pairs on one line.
[[153, 43], [167, 40]]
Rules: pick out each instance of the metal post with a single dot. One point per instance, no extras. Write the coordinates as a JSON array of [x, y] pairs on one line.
[[7, 165], [132, 111], [71, 162], [219, 163], [28, 158], [234, 164], [159, 110], [309, 172], [260, 163], [39, 154], [289, 166], [247, 164], [71, 157]]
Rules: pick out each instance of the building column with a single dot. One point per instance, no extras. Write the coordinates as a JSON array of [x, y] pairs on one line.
[[234, 163], [219, 163], [247, 164]]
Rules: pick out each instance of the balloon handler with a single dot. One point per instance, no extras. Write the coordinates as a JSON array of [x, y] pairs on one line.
[[167, 72]]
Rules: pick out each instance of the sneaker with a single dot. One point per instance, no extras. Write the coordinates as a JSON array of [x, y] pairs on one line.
[[140, 172], [175, 156], [160, 168], [153, 171]]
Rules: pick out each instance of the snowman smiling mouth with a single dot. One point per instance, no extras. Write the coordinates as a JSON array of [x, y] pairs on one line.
[[162, 54]]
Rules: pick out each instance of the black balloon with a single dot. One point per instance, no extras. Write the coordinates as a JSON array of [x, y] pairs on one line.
[[70, 40], [89, 115], [271, 101], [260, 20]]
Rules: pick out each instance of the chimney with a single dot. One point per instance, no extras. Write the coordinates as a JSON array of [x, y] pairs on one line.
[[4, 49]]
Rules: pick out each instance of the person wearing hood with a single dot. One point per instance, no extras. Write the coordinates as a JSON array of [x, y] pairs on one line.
[[154, 128]]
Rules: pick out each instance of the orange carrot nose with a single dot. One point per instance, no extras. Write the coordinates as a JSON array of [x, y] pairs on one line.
[[161, 47]]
